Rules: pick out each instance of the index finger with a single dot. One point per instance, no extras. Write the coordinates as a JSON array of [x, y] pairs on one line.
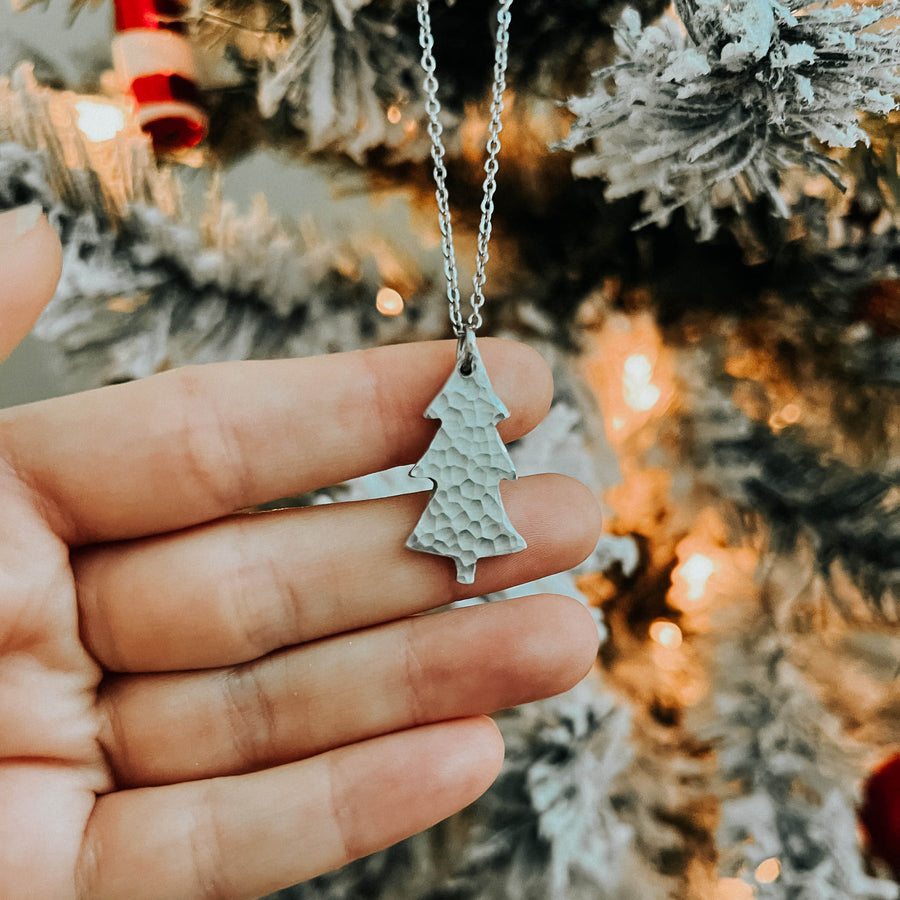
[[198, 443]]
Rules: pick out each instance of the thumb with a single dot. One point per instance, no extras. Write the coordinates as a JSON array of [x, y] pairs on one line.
[[30, 265]]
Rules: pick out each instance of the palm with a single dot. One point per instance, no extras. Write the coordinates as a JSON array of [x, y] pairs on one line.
[[52, 763], [197, 702]]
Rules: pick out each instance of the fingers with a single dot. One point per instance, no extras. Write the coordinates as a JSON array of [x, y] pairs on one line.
[[234, 590], [167, 728], [241, 837], [198, 443], [30, 263]]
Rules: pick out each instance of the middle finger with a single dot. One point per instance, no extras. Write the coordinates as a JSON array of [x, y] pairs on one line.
[[234, 590]]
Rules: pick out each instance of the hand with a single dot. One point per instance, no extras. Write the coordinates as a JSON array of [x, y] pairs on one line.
[[201, 703]]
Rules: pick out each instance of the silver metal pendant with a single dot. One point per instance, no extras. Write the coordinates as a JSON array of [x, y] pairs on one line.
[[465, 519]]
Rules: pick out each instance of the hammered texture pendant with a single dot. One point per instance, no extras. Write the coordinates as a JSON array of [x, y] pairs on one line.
[[465, 519]]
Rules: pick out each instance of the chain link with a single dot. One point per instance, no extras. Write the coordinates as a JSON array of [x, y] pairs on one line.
[[435, 130]]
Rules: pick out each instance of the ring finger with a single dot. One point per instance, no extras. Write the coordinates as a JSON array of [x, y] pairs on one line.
[[302, 701]]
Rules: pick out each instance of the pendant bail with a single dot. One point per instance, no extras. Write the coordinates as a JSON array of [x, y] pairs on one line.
[[465, 350]]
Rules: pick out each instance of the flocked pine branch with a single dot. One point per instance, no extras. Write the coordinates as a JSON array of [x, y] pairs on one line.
[[547, 830], [788, 776], [717, 107], [331, 68], [143, 289], [552, 829], [151, 294], [333, 73], [845, 514]]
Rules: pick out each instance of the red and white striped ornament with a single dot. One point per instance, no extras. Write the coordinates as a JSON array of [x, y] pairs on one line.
[[154, 63]]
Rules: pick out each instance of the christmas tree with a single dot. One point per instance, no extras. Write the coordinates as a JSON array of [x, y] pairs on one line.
[[466, 460], [697, 225]]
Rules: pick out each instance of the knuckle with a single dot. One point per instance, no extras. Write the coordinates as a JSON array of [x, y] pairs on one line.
[[343, 812], [249, 577], [214, 463], [113, 735], [250, 715], [96, 617], [415, 678], [208, 852]]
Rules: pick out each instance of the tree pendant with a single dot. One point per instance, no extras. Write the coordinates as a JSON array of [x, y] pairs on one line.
[[466, 461]]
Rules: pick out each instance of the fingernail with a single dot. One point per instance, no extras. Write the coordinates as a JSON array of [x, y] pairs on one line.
[[14, 223]]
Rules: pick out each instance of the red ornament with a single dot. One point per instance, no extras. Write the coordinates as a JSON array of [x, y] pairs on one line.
[[880, 813], [154, 62]]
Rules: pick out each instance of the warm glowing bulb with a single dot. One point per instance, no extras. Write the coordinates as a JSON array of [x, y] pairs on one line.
[[394, 115], [637, 366], [767, 871], [787, 415], [645, 398], [388, 302], [696, 572], [640, 394], [667, 634], [99, 121], [790, 413]]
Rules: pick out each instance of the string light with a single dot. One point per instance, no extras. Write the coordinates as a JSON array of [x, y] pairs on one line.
[[394, 115], [389, 302], [695, 572], [640, 394], [767, 871], [790, 413], [99, 121], [667, 634], [787, 415], [637, 366]]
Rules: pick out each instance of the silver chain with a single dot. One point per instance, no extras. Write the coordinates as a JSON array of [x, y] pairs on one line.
[[435, 129]]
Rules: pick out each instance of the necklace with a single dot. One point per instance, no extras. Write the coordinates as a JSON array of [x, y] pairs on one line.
[[465, 519]]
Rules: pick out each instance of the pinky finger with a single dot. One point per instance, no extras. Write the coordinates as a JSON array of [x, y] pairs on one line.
[[240, 837]]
